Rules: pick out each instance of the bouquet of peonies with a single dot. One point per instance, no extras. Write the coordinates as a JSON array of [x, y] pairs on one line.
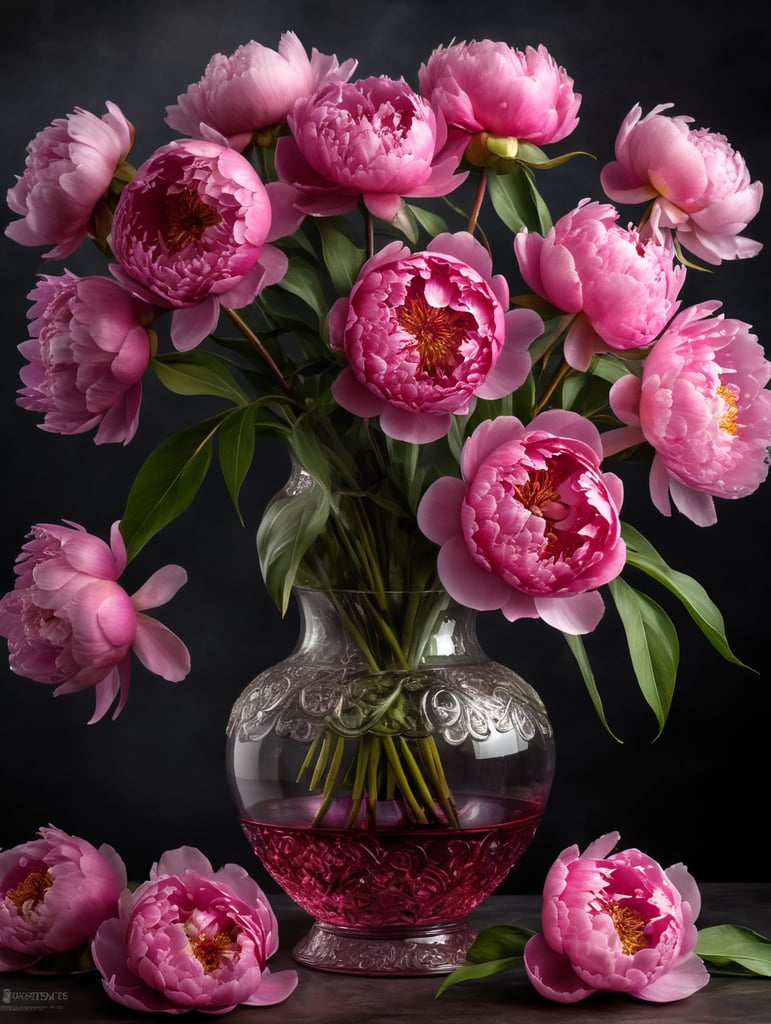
[[369, 273]]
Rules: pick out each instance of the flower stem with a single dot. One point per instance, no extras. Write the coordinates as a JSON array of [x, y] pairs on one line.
[[255, 342], [478, 200]]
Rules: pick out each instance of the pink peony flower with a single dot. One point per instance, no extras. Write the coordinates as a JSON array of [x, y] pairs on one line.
[[191, 938], [426, 334], [700, 186], [373, 139], [532, 528], [252, 90], [623, 289], [69, 167], [188, 233], [702, 406], [71, 625], [55, 891], [491, 87], [619, 923], [87, 352]]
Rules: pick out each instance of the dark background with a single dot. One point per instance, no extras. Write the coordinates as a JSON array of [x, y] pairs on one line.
[[155, 778]]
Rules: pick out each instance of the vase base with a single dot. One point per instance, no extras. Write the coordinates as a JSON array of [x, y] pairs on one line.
[[385, 952]]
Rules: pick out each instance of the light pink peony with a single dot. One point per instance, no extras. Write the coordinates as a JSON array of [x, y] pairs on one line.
[[188, 233], [252, 90], [702, 406], [427, 333], [191, 938], [619, 923], [69, 167], [88, 349], [699, 185], [71, 625], [491, 87], [55, 891], [533, 527], [623, 289], [373, 140]]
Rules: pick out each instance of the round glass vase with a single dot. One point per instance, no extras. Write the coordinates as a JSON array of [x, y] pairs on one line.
[[388, 804]]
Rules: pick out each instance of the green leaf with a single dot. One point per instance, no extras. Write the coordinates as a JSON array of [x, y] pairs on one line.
[[498, 942], [167, 483], [576, 645], [303, 281], [495, 949], [343, 259], [470, 972], [653, 646], [236, 449], [197, 373], [691, 594], [513, 201], [731, 949], [431, 222], [290, 524]]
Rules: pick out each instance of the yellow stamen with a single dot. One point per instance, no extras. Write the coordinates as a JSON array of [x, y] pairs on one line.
[[629, 924], [438, 332], [730, 415], [209, 949]]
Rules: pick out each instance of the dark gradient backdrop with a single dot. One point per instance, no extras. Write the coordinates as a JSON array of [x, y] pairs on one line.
[[155, 778]]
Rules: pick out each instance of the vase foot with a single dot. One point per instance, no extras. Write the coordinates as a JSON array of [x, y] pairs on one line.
[[385, 952]]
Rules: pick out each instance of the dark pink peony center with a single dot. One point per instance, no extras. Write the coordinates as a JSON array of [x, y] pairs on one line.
[[30, 892], [187, 217], [210, 949], [439, 332], [629, 924]]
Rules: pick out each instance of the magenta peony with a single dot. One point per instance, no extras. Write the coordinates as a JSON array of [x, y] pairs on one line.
[[699, 185], [69, 167], [616, 922], [55, 891], [373, 140], [702, 404], [70, 624], [425, 334], [623, 290], [88, 349], [191, 938], [493, 88], [252, 90], [188, 232], [533, 527]]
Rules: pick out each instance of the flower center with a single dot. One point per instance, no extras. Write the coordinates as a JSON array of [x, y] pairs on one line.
[[629, 924], [30, 892], [187, 217], [438, 332], [730, 413], [209, 949]]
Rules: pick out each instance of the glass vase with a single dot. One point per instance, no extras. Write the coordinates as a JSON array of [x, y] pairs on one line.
[[388, 803]]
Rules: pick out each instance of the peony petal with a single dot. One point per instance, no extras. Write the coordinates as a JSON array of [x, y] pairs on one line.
[[551, 974], [190, 325], [576, 615], [439, 510], [273, 988], [687, 976], [159, 588], [466, 581], [160, 650]]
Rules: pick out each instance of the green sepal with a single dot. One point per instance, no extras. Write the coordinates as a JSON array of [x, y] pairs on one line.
[[731, 949], [642, 555], [653, 646]]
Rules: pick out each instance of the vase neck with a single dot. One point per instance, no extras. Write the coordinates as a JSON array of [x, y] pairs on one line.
[[388, 632]]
